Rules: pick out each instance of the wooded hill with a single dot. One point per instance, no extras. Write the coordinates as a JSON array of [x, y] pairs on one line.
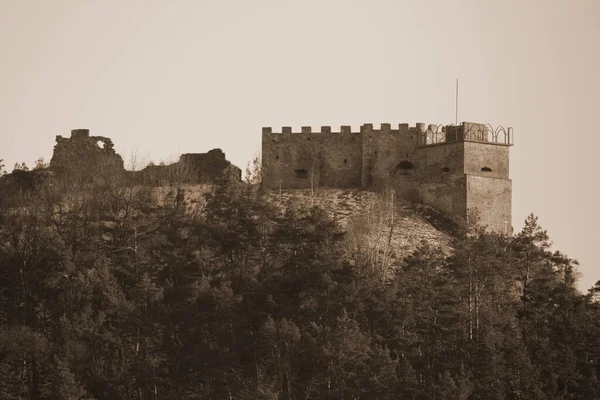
[[107, 293]]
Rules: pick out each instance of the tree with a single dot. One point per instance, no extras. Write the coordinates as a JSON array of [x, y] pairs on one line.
[[408, 385], [253, 171], [20, 167], [40, 164], [62, 383], [106, 294]]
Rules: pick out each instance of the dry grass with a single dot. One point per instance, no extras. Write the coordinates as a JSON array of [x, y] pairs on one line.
[[366, 217], [371, 227], [164, 196]]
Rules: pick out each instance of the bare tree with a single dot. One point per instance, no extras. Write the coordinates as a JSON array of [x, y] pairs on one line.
[[21, 167], [40, 164], [371, 232], [254, 170]]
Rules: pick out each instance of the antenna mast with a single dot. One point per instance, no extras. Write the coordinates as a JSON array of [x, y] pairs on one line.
[[456, 115]]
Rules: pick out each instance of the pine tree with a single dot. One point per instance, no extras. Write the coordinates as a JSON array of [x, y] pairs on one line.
[[61, 383], [408, 384]]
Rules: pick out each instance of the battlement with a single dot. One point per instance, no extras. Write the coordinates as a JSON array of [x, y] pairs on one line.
[[364, 128], [450, 167], [421, 134], [427, 134]]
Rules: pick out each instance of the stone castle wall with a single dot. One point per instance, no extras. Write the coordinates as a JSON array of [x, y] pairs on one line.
[[297, 160], [453, 168]]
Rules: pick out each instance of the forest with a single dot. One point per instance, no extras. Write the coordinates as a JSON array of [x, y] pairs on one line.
[[106, 294]]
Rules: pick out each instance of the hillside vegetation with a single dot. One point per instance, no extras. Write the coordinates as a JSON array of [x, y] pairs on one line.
[[111, 290]]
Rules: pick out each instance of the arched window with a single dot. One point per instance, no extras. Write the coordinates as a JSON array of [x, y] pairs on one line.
[[486, 169], [405, 168], [445, 169]]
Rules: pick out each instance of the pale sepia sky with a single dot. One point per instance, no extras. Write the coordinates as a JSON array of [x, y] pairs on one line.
[[167, 77]]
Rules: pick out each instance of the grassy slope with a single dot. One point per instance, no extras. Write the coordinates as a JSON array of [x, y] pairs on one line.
[[367, 218]]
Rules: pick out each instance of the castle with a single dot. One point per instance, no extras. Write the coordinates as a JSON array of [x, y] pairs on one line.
[[453, 168]]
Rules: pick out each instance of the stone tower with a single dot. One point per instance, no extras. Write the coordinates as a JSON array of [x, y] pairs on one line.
[[451, 168]]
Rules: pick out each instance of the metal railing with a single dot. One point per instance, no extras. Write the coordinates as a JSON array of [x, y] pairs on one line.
[[485, 133]]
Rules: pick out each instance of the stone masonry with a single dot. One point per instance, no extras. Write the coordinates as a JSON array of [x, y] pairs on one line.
[[85, 155], [454, 169]]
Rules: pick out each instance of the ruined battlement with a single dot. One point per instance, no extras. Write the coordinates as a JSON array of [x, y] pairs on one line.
[[80, 133], [86, 155], [453, 168]]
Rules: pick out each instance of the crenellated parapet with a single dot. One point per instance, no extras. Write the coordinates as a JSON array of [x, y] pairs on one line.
[[428, 134], [364, 128], [450, 167]]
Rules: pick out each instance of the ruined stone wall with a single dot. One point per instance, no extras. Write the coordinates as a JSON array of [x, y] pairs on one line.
[[191, 168], [83, 154], [86, 156], [209, 167]]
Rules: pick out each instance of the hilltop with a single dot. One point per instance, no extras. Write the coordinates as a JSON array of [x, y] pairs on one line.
[[176, 284], [367, 213], [364, 217], [92, 160]]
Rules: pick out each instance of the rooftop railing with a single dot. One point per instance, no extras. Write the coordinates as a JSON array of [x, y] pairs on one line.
[[467, 131]]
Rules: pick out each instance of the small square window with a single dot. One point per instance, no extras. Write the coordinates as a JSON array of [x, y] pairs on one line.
[[301, 173]]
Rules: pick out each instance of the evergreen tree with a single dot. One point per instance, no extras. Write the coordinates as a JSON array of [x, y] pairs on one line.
[[105, 294]]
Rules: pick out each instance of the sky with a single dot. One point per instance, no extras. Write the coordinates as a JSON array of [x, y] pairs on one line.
[[161, 78]]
